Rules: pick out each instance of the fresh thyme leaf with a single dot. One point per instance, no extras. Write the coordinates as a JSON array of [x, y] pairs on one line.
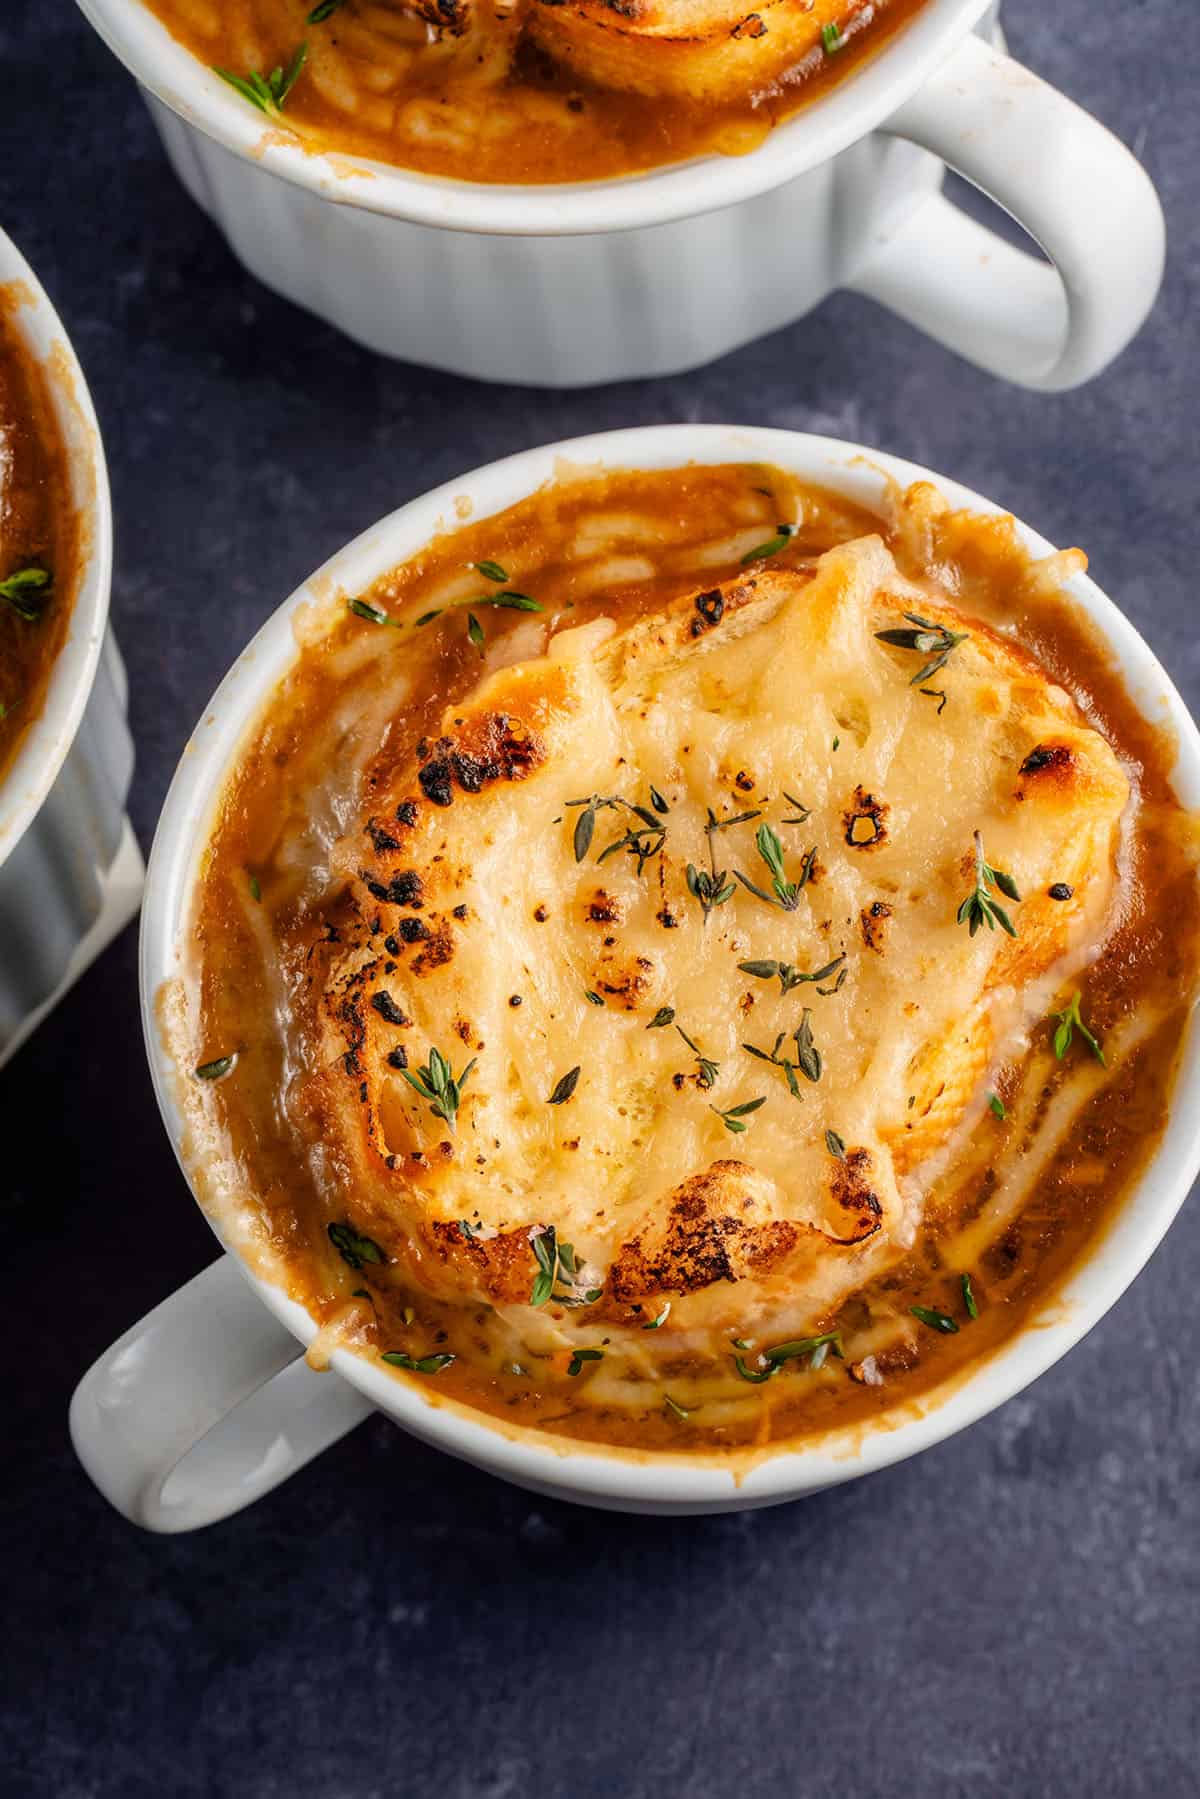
[[543, 1286], [968, 1293], [575, 1365], [216, 1071], [1069, 1021], [255, 887], [928, 639], [938, 694], [326, 10], [492, 571], [734, 1118], [593, 999], [269, 92], [664, 1015], [789, 1352], [658, 802], [564, 1088], [373, 614], [475, 631], [996, 1104], [835, 1145], [804, 811], [808, 1056], [709, 1070], [643, 842], [361, 1293], [745, 1373], [773, 545], [427, 618], [789, 976], [657, 1323], [831, 39], [427, 1364], [353, 1247], [836, 742], [936, 1321], [979, 908], [678, 1410], [786, 893], [20, 586], [438, 1083]]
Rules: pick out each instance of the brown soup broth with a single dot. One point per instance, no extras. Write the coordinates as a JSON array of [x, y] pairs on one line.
[[259, 908], [38, 531], [528, 121]]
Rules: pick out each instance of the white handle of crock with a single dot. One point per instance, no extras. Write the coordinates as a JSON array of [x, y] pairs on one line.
[[1073, 187], [204, 1406]]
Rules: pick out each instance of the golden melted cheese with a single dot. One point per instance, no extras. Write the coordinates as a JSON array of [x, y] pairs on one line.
[[474, 929]]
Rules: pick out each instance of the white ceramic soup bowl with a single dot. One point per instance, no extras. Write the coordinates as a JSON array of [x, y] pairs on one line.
[[205, 1404], [649, 274], [70, 872]]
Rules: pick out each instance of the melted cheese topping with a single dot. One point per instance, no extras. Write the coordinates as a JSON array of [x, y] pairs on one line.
[[453, 921], [478, 932]]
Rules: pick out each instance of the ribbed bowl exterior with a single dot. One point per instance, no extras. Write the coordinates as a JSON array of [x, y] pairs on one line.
[[564, 311], [55, 881]]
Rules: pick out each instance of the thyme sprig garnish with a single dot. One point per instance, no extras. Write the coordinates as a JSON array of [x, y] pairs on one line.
[[979, 908], [706, 1078], [564, 1087], [935, 1320], [734, 1117], [267, 92], [426, 1364], [1069, 1021], [664, 1015], [969, 1300], [19, 587], [790, 976], [580, 1356], [508, 600], [928, 639], [556, 1261], [805, 812], [773, 545], [785, 893], [712, 886], [218, 1068], [808, 1056], [437, 1083], [642, 841], [353, 1247], [789, 1352], [374, 615]]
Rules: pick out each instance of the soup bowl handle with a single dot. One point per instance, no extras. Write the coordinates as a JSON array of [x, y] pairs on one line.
[[1067, 181], [204, 1406]]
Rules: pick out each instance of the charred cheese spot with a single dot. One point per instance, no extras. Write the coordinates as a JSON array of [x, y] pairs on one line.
[[864, 823], [873, 922]]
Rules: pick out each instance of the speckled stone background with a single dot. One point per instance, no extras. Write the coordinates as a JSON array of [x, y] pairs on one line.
[[1015, 1612]]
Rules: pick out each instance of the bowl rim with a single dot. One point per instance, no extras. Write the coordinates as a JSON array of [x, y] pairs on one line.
[[34, 769], [591, 1473], [851, 108]]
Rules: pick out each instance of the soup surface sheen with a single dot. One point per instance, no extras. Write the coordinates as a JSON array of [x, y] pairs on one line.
[[532, 91], [38, 534], [686, 963]]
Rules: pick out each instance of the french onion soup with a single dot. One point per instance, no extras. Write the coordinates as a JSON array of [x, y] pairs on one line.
[[38, 532], [686, 963], [531, 91]]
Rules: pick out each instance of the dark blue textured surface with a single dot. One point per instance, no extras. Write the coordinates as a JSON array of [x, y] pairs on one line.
[[1013, 1613]]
